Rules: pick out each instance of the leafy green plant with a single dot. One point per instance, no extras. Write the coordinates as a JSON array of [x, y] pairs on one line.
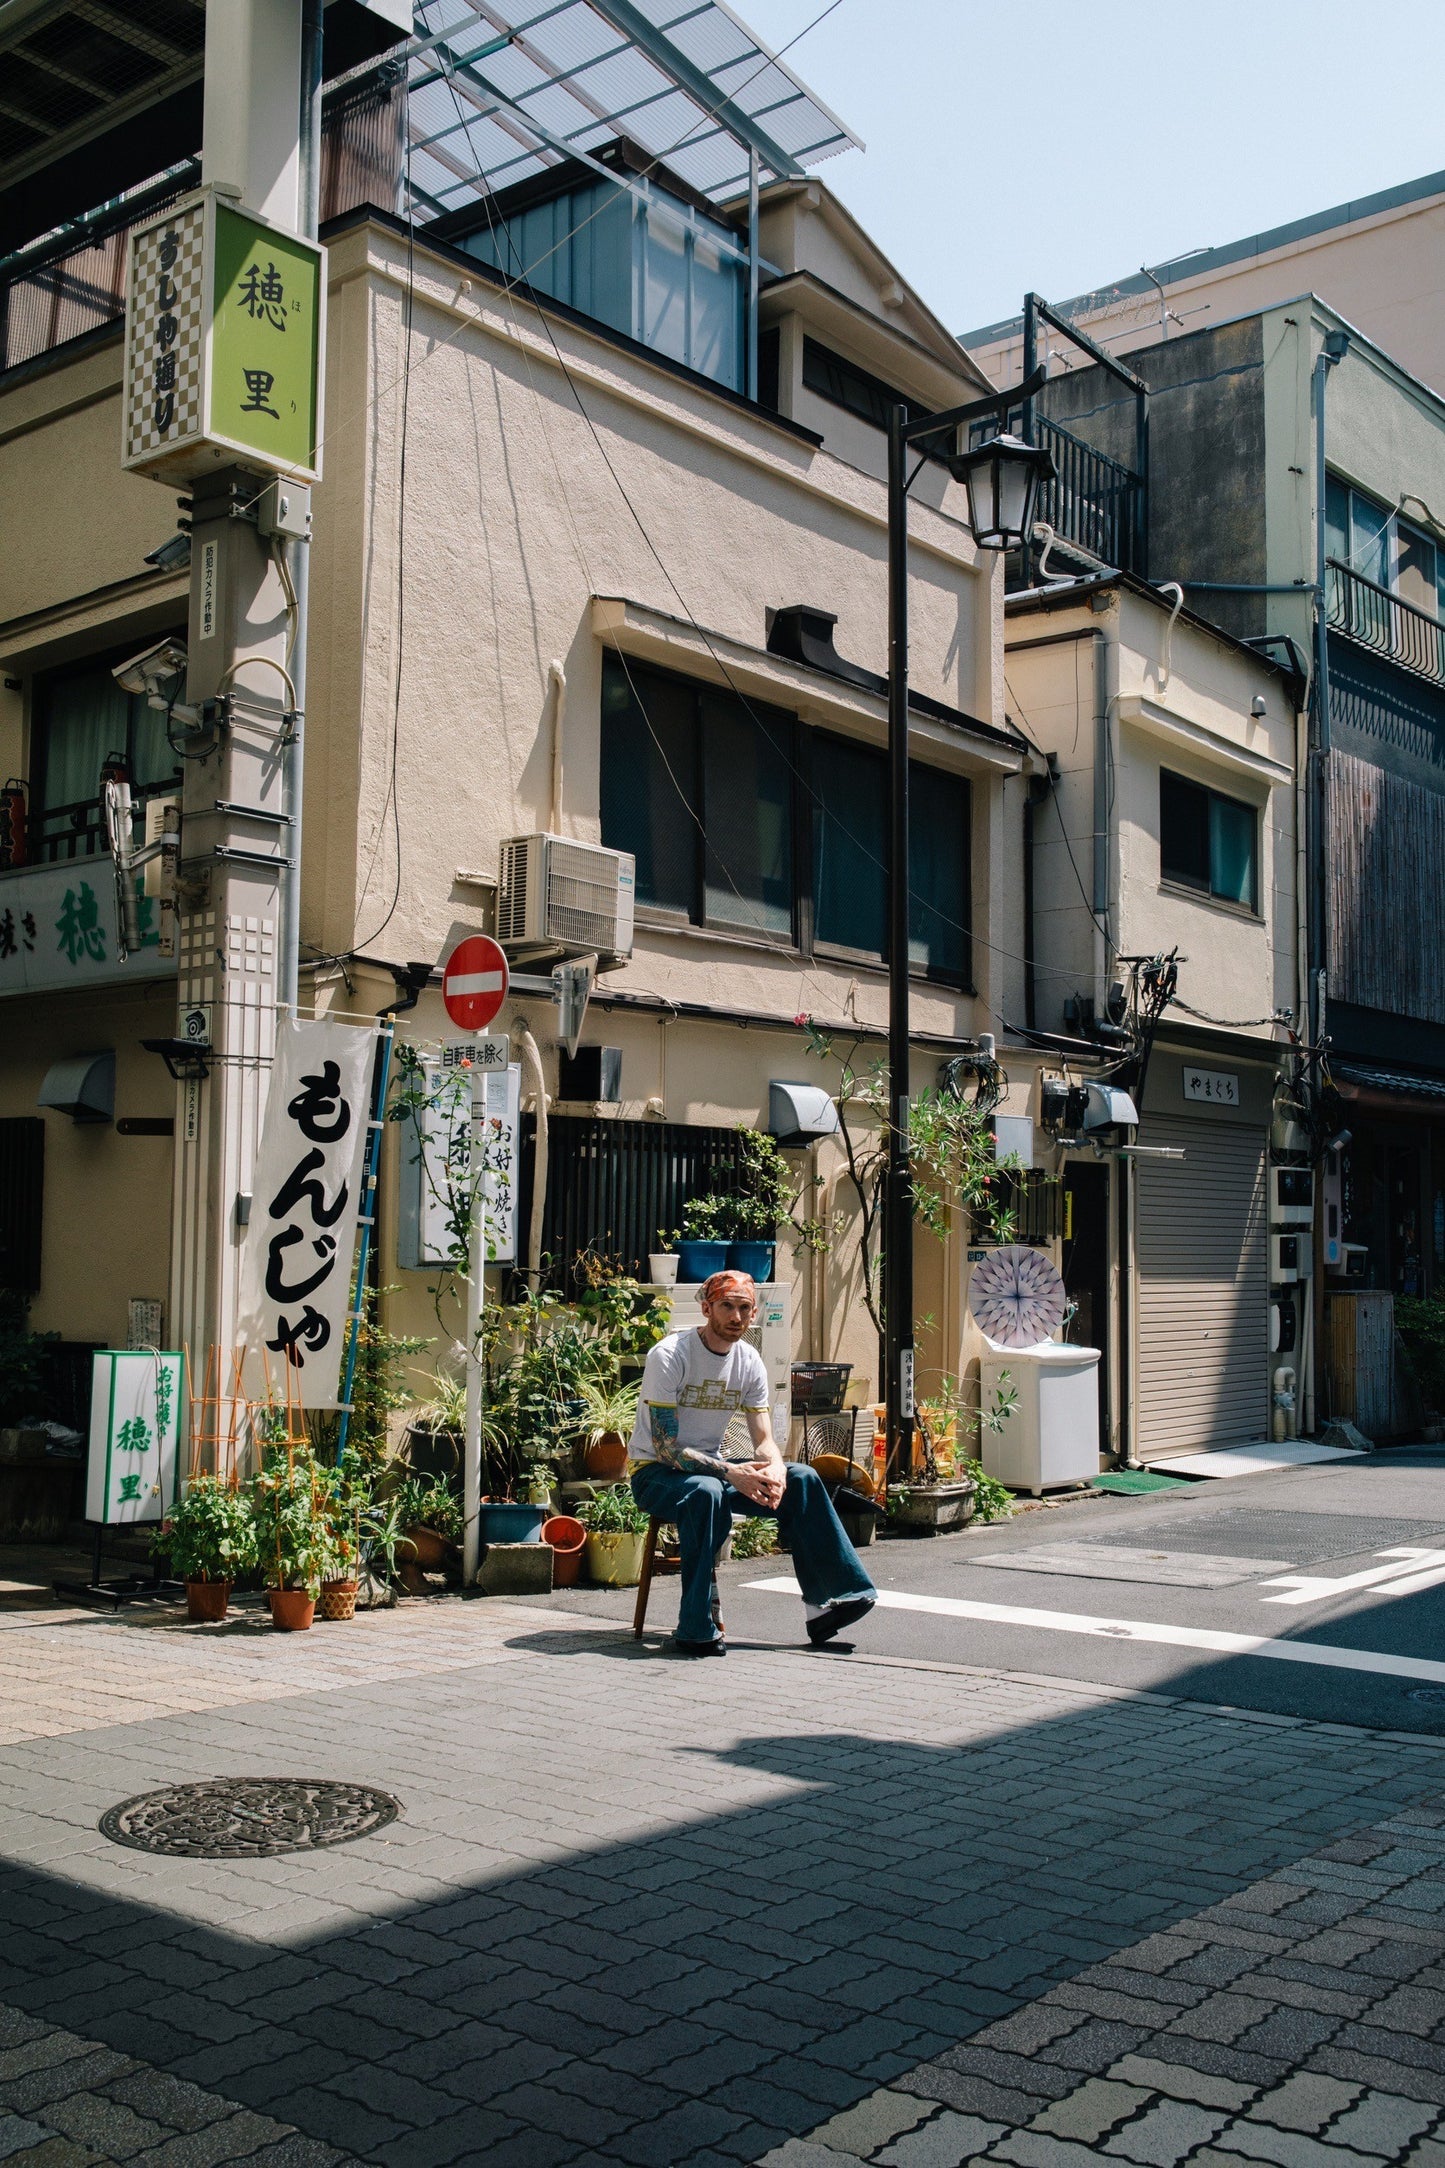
[[433, 1502], [211, 1535], [757, 1199], [992, 1501], [614, 1512], [607, 1410], [1420, 1322], [24, 1362], [296, 1507], [756, 1537], [447, 1409]]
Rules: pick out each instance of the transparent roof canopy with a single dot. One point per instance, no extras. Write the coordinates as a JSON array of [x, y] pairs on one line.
[[500, 90]]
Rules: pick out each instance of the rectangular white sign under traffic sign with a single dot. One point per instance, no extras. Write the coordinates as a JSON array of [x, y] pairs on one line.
[[487, 1050]]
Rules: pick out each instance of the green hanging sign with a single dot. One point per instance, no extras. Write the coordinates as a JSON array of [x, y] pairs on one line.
[[225, 337]]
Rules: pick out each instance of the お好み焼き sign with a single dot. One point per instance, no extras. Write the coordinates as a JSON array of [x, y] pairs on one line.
[[133, 1469]]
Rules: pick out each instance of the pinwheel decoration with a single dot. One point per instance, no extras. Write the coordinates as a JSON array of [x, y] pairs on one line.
[[1017, 1297]]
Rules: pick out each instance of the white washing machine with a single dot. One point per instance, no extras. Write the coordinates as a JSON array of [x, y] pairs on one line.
[[1052, 1436]]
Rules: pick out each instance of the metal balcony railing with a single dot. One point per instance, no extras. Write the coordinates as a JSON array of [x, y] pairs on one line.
[[1092, 500], [1377, 619], [74, 281], [63, 832]]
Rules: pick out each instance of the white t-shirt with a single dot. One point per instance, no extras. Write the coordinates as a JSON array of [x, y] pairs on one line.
[[707, 1391]]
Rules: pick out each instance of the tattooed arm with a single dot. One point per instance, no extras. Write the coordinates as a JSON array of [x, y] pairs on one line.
[[663, 1421]]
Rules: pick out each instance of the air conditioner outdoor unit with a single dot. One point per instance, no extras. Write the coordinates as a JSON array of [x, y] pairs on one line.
[[559, 898]]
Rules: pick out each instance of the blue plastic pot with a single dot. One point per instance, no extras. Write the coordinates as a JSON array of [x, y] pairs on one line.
[[513, 1524], [753, 1258], [698, 1261]]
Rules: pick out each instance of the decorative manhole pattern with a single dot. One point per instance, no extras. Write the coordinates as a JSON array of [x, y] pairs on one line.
[[248, 1817]]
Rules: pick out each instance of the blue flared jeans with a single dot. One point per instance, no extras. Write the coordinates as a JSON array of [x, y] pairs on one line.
[[701, 1508]]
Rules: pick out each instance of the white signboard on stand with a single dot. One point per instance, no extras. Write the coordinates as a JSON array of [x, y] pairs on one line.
[[435, 1154], [133, 1471]]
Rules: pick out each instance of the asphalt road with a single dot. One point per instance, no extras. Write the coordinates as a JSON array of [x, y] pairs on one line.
[[1316, 1592]]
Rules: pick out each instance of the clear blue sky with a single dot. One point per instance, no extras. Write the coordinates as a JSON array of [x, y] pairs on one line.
[[1063, 143]]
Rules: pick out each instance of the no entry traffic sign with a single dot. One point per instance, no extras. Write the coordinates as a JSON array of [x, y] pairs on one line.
[[474, 982]]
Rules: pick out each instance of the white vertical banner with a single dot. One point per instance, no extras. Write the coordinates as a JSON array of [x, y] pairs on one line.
[[306, 1195], [132, 1470]]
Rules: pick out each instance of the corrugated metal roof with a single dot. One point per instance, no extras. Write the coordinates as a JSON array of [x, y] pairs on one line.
[[500, 90]]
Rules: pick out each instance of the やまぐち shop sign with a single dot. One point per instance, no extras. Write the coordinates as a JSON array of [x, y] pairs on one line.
[[223, 344]]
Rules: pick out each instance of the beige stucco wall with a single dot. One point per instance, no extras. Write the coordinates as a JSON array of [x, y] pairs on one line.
[[1381, 272], [1193, 718], [107, 1197]]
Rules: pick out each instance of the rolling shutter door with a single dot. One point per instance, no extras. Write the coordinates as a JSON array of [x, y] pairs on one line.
[[1203, 1279]]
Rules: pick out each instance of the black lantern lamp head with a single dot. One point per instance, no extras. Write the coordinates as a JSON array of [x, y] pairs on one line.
[[1002, 478]]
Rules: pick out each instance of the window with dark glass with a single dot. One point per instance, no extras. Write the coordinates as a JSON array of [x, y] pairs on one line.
[[707, 789], [81, 718], [850, 850], [1208, 841], [697, 785]]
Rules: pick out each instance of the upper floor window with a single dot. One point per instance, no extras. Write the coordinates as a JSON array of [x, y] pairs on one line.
[[639, 259], [1208, 841], [1370, 538], [81, 718], [742, 820]]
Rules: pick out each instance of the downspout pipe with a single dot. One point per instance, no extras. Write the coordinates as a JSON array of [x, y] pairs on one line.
[[532, 1066], [1335, 347]]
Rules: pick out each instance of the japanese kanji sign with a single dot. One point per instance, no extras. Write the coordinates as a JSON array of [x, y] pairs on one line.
[[436, 1155], [57, 928], [224, 336], [306, 1195], [133, 1469]]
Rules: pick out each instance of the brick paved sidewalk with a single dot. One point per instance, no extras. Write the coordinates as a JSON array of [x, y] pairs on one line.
[[799, 1908]]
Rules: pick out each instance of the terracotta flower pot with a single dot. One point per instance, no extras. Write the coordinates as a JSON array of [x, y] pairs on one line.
[[206, 1601], [338, 1599], [431, 1552], [292, 1609], [566, 1539], [606, 1457]]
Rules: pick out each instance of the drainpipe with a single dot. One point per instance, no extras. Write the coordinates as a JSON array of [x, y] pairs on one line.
[[557, 685], [1106, 668], [1036, 795], [1336, 346], [532, 1063]]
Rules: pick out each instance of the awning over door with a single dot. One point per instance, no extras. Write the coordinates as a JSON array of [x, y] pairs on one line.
[[1203, 1289]]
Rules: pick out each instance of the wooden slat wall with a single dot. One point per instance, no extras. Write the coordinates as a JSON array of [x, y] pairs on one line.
[[1359, 1364], [1386, 872], [1203, 1266]]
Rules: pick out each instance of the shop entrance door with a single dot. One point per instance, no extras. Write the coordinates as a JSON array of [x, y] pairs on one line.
[[1086, 1265]]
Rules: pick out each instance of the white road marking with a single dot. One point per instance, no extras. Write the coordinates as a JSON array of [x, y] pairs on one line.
[[1131, 1629], [1412, 1569]]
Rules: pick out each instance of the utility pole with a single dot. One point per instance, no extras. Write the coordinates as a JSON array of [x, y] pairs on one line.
[[235, 836]]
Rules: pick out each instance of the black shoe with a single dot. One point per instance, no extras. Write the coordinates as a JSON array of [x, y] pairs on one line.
[[717, 1647], [836, 1617]]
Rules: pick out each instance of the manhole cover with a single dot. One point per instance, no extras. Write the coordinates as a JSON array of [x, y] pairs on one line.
[[1434, 1695], [248, 1817]]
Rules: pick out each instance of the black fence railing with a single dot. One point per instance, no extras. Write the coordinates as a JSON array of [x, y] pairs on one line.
[[1384, 622], [614, 1186], [74, 281], [1092, 501], [63, 832]]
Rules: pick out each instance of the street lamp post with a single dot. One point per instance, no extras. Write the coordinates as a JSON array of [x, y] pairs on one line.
[[1002, 478]]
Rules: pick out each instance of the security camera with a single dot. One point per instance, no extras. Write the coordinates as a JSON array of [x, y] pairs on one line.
[[149, 671]]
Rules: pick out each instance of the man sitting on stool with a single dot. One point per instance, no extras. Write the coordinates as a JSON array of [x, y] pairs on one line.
[[695, 1381]]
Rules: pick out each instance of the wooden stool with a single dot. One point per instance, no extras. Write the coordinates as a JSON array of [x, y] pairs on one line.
[[655, 1527]]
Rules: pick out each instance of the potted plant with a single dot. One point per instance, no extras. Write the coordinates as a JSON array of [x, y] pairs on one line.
[[210, 1540], [429, 1513], [609, 1412], [662, 1262], [702, 1247], [566, 1538], [616, 1531], [295, 1512]]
